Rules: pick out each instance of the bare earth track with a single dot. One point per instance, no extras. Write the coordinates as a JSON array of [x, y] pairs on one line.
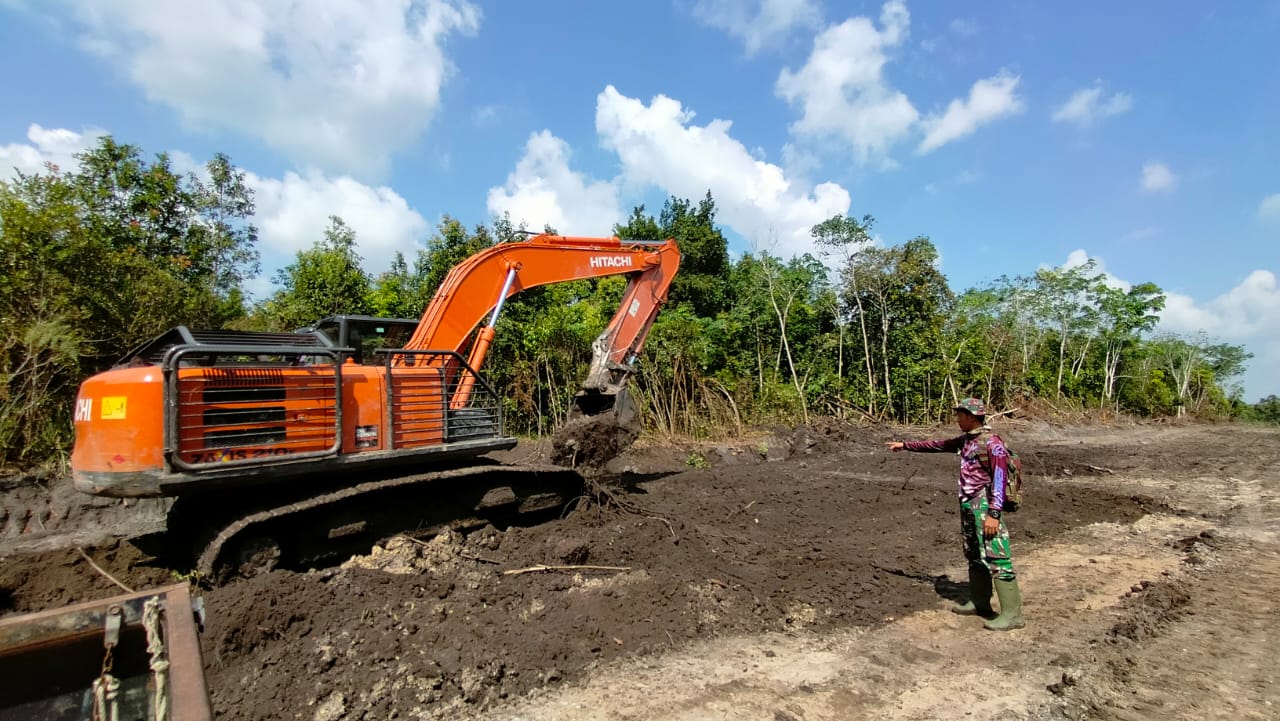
[[803, 575]]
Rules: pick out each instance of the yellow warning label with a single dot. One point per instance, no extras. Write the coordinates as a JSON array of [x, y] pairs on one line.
[[113, 408]]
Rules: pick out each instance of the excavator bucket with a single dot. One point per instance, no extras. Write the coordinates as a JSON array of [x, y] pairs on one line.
[[589, 403], [600, 427]]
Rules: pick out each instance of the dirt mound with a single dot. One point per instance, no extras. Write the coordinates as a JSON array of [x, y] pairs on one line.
[[39, 513], [590, 442], [36, 581], [1149, 607]]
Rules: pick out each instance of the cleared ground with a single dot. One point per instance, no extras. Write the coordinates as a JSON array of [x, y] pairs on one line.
[[801, 575]]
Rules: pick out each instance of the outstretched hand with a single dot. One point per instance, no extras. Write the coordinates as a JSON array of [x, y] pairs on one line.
[[895, 445]]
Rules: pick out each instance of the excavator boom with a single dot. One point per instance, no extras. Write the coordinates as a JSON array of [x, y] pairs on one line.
[[478, 286]]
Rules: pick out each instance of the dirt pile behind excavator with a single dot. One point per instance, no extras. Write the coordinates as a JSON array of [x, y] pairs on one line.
[[600, 429], [591, 442]]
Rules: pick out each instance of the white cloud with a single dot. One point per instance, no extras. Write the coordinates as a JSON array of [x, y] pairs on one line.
[[1243, 315], [1245, 311], [1076, 258], [542, 190], [759, 24], [335, 84], [989, 99], [963, 178], [1269, 208], [1158, 178], [659, 145], [48, 145], [800, 161], [184, 163], [293, 212], [1079, 257], [967, 27], [842, 91], [1087, 106]]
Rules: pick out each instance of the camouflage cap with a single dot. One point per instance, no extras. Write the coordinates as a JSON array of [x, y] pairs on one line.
[[972, 405]]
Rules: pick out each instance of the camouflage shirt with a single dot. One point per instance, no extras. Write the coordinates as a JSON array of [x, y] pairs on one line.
[[974, 476]]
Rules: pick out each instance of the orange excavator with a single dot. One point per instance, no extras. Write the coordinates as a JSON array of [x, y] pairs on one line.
[[294, 446]]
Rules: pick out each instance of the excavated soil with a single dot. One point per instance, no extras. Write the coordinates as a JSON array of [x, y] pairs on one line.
[[589, 443], [779, 576]]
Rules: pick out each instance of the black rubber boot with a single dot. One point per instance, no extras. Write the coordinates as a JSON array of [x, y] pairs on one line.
[[979, 603], [1010, 607]]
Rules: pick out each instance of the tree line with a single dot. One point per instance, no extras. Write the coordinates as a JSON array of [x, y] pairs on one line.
[[106, 255]]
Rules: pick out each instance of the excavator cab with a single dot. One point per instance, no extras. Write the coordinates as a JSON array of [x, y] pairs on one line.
[[364, 335]]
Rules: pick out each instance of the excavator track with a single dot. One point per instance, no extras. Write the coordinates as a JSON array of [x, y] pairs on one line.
[[353, 519]]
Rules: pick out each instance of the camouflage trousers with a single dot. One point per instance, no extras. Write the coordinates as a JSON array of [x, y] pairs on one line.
[[991, 554]]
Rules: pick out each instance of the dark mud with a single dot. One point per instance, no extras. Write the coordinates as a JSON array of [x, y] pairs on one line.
[[838, 536], [34, 582], [590, 442], [817, 527], [40, 513]]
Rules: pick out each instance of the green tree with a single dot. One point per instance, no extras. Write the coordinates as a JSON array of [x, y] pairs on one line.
[[780, 302], [325, 279], [223, 242], [186, 244], [704, 252], [451, 245], [1266, 410], [978, 346], [842, 238], [102, 257], [391, 294], [1065, 306], [902, 298], [1123, 317]]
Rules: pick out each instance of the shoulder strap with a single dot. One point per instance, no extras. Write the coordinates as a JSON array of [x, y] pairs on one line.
[[984, 456]]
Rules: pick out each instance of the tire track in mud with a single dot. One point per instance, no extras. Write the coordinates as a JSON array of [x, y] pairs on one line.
[[1201, 647], [49, 514], [1206, 645]]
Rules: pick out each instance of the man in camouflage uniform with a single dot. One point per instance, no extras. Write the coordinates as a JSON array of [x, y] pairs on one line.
[[984, 469]]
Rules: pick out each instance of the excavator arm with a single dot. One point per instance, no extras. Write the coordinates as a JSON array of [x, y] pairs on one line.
[[478, 287]]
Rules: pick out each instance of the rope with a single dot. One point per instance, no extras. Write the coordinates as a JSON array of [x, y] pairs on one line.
[[151, 614], [106, 690]]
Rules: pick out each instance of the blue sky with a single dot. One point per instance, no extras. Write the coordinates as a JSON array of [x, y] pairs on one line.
[[1014, 134]]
